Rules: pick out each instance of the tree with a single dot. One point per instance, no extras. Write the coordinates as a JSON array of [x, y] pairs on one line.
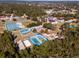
[[14, 20], [3, 20], [34, 19], [46, 30], [48, 25], [7, 46], [34, 30], [34, 24], [67, 47], [1, 54], [20, 9]]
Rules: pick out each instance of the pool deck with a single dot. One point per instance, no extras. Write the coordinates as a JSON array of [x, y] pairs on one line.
[[22, 37], [28, 22], [1, 28]]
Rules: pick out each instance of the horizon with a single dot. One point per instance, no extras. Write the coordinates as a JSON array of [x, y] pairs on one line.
[[39, 0]]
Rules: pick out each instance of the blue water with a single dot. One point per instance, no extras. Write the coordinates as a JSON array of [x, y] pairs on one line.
[[38, 39], [25, 31], [35, 41], [41, 36], [12, 26], [72, 26]]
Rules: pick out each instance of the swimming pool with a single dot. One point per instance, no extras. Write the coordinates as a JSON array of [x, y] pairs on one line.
[[12, 26], [38, 39], [42, 38], [35, 41], [25, 30], [72, 26]]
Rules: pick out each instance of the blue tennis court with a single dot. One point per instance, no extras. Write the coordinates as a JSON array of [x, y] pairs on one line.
[[38, 40], [12, 26], [25, 30]]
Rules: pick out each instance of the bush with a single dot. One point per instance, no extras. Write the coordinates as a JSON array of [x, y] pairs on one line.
[[47, 25], [34, 24]]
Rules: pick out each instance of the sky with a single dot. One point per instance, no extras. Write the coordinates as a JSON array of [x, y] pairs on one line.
[[39, 0]]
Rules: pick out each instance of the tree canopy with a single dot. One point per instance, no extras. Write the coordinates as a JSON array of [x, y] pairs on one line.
[[20, 9], [48, 25], [67, 47]]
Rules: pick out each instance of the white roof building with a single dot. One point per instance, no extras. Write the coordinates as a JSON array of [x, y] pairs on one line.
[[48, 11], [54, 22], [69, 21], [27, 43], [24, 16], [21, 45], [51, 36], [24, 44], [61, 20]]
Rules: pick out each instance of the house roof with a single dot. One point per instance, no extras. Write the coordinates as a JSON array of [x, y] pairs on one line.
[[21, 45], [27, 43]]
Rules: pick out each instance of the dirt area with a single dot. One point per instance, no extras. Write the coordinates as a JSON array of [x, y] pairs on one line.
[[1, 27], [21, 36], [28, 22]]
